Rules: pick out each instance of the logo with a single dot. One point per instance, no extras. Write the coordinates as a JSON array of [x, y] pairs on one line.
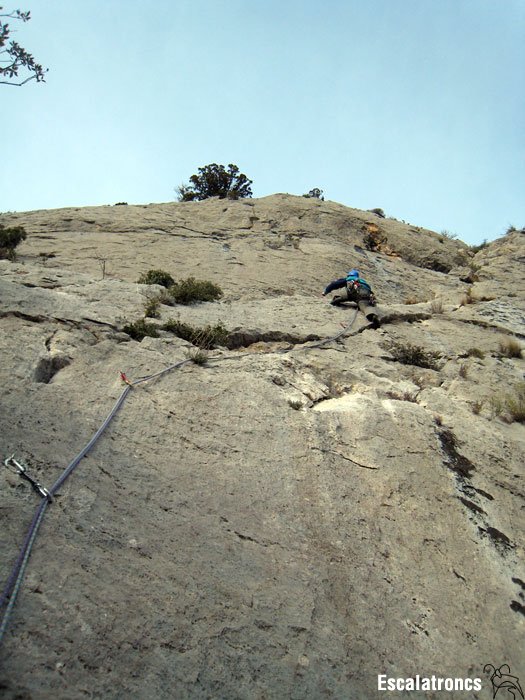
[[501, 679]]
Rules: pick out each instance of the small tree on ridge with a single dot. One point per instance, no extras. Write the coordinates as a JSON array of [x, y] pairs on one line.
[[215, 181]]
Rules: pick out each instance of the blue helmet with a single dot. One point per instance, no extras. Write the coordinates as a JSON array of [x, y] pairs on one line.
[[353, 273]]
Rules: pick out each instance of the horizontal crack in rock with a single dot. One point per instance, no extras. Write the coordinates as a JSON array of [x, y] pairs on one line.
[[247, 538], [491, 326], [399, 317], [26, 317], [244, 338]]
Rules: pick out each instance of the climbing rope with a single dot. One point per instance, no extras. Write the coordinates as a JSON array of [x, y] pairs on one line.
[[337, 336], [14, 582], [12, 587]]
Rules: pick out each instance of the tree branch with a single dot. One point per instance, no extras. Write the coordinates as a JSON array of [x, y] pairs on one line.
[[6, 82], [20, 58]]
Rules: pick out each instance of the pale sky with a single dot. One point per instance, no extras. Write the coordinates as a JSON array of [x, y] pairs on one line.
[[414, 106]]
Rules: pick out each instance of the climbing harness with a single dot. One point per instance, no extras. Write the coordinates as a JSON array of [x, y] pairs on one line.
[[359, 290], [14, 582]]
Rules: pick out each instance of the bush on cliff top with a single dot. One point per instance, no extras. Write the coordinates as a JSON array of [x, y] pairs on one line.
[[215, 181]]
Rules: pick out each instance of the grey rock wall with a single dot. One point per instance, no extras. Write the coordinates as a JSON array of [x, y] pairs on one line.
[[289, 520]]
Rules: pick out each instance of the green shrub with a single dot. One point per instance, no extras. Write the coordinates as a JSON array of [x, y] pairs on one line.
[[379, 212], [204, 338], [157, 277], [152, 307], [215, 181], [8, 254], [191, 290], [316, 193], [9, 239], [180, 329], [140, 329], [409, 354]]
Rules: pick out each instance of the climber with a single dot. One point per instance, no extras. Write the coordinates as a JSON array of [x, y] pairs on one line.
[[357, 290]]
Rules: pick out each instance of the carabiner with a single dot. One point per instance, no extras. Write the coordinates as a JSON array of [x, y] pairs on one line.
[[20, 469]]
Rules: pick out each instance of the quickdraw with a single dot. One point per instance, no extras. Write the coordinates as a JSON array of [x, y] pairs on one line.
[[21, 470]]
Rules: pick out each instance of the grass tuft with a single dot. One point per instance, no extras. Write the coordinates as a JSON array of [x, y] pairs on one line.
[[510, 407], [468, 298], [510, 348], [152, 307], [436, 306]]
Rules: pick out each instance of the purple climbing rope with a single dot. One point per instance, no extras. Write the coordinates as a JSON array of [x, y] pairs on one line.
[[14, 582]]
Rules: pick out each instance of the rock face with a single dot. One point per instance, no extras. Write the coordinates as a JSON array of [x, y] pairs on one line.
[[293, 518]]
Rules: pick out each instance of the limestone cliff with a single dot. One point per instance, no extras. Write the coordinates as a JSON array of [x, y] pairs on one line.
[[290, 519]]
